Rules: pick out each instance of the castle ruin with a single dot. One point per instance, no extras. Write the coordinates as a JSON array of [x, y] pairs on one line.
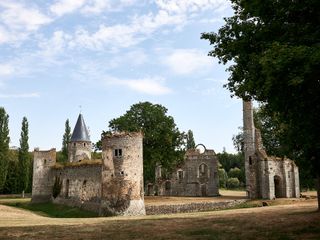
[[197, 176], [267, 177], [111, 186]]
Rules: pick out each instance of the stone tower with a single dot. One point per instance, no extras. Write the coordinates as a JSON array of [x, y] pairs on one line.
[[266, 176], [79, 147], [249, 150], [122, 174], [42, 175]]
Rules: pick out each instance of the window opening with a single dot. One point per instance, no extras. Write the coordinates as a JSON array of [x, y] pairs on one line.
[[118, 152]]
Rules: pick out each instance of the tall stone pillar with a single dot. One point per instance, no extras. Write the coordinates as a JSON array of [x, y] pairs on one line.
[[249, 149]]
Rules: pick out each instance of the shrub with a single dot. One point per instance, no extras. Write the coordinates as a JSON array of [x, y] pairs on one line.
[[233, 183]]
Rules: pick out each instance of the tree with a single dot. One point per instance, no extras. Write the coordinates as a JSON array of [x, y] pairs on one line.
[[274, 50], [11, 185], [162, 143], [4, 146], [190, 140], [65, 140], [233, 183], [24, 157], [223, 177]]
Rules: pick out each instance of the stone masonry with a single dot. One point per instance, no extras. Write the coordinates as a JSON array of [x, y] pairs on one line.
[[197, 176], [267, 177], [111, 186]]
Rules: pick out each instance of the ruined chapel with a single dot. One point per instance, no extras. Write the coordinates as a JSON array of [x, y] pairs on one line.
[[267, 177]]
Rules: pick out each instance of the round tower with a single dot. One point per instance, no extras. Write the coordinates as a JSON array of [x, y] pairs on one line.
[[122, 177], [79, 147], [42, 181]]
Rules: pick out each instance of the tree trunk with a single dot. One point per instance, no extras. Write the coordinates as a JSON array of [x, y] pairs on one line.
[[22, 195]]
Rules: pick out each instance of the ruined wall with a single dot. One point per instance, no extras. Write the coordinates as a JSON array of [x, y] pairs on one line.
[[122, 176], [81, 186], [197, 176], [42, 181], [251, 160], [266, 177], [80, 150], [281, 179]]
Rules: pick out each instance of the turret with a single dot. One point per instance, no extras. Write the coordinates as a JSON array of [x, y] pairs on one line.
[[79, 147], [122, 176]]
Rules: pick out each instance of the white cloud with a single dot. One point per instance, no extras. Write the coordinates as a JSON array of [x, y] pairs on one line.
[[187, 61], [19, 17], [62, 7], [55, 45], [6, 69], [18, 21], [191, 6], [22, 95], [151, 86]]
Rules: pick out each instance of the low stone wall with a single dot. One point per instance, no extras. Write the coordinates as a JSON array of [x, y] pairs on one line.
[[191, 207]]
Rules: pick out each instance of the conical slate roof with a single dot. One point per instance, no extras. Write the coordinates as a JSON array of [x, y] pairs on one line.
[[80, 131]]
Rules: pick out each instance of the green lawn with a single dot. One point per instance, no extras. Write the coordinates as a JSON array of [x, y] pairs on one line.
[[48, 209]]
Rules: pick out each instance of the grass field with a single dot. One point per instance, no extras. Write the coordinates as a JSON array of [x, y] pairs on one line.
[[291, 219]]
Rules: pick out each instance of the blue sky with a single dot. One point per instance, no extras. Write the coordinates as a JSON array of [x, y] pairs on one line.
[[105, 55]]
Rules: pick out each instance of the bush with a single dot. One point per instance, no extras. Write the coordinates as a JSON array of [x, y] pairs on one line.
[[222, 178], [233, 183]]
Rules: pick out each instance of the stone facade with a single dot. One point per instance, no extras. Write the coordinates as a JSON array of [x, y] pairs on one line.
[[122, 175], [197, 176], [267, 177], [111, 186], [42, 174]]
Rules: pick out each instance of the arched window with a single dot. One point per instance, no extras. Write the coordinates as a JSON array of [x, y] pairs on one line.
[[203, 170]]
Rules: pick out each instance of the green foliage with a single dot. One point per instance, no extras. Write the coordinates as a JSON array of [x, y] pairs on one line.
[[237, 173], [12, 181], [274, 50], [229, 160], [223, 177], [190, 140], [65, 141], [4, 146], [24, 156], [163, 142], [56, 189], [233, 183]]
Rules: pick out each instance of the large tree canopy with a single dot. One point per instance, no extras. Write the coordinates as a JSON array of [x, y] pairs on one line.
[[162, 143], [274, 50]]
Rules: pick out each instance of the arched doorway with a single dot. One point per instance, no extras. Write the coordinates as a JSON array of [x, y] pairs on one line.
[[277, 187]]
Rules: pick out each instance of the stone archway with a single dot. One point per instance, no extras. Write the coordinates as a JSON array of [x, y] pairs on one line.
[[278, 193]]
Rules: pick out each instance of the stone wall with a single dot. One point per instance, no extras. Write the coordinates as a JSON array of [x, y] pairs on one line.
[[191, 207], [81, 186], [78, 151], [122, 176], [197, 176], [42, 175]]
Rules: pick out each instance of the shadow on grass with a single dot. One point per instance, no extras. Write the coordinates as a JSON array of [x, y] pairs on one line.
[[51, 210]]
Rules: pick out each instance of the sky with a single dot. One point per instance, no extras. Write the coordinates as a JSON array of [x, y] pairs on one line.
[[60, 57]]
